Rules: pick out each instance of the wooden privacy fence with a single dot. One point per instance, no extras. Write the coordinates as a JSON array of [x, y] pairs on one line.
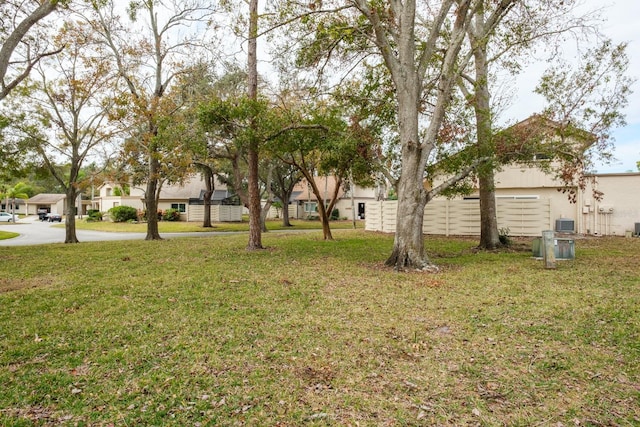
[[523, 217], [219, 213]]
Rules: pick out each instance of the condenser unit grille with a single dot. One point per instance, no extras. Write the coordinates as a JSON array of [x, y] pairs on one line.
[[565, 225]]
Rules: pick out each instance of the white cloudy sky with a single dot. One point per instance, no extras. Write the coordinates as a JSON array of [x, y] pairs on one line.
[[623, 25]]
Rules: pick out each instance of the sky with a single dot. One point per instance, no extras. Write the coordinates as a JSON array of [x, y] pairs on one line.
[[622, 25]]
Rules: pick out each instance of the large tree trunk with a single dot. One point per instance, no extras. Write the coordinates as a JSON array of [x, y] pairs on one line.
[[207, 174], [285, 211], [70, 215], [151, 200], [408, 246], [489, 236], [255, 230]]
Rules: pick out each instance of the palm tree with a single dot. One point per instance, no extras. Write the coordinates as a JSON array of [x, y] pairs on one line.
[[18, 191]]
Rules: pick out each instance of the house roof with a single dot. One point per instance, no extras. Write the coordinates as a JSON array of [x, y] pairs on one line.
[[189, 189], [46, 198], [16, 201], [218, 195], [295, 196], [537, 126]]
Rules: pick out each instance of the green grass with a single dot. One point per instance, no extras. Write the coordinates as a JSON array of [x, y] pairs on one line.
[[7, 235], [198, 331], [182, 226]]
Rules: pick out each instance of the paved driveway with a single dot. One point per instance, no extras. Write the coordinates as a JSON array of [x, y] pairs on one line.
[[34, 232]]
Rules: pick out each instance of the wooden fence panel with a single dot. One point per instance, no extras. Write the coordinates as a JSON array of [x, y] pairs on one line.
[[219, 213], [523, 217]]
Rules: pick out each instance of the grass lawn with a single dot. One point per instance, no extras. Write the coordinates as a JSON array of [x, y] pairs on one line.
[[182, 226], [7, 235], [199, 332]]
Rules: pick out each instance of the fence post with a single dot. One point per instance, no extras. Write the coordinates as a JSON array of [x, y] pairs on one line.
[[548, 249]]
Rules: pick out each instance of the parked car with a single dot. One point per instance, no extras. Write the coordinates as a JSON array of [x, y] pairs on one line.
[[6, 217], [53, 217], [42, 214]]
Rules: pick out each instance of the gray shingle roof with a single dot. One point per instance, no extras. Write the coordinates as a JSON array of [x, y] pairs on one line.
[[46, 198]]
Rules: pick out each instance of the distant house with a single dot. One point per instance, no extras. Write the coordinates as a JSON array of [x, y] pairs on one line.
[[303, 204], [306, 203], [187, 198], [19, 206], [48, 202], [530, 201]]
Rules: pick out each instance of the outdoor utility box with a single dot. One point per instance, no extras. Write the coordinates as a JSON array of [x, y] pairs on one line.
[[563, 248], [565, 225]]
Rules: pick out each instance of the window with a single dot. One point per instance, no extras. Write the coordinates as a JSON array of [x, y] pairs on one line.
[[310, 207], [180, 207]]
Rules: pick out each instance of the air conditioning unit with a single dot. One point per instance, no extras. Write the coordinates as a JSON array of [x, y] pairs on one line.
[[637, 225], [565, 225]]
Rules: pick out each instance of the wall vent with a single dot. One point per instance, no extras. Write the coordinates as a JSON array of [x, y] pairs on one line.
[[565, 225]]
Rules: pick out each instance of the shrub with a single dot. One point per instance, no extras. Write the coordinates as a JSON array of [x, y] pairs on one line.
[[123, 213], [94, 215], [503, 236], [171, 215], [335, 215]]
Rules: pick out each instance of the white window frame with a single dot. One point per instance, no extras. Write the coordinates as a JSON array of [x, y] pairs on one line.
[[180, 207], [310, 207]]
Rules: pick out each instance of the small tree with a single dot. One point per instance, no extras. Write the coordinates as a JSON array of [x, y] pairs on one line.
[[67, 111], [585, 101], [148, 63], [18, 191]]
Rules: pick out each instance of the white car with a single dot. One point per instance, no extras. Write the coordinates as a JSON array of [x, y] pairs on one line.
[[6, 217]]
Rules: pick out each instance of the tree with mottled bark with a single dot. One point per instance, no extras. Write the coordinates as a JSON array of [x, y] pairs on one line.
[[419, 44]]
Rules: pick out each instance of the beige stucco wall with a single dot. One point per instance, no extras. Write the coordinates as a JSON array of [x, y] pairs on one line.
[[618, 209], [107, 203], [616, 213], [516, 176]]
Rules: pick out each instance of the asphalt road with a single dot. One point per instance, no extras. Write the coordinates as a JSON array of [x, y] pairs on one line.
[[34, 232]]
